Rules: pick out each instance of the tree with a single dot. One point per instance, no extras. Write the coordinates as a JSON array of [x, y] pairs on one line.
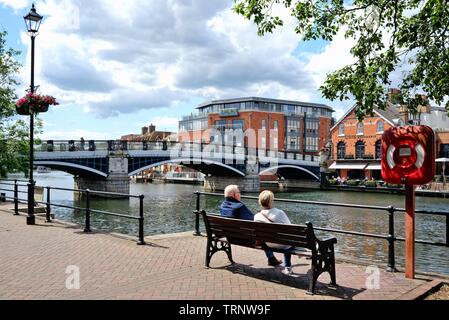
[[14, 134], [387, 34]]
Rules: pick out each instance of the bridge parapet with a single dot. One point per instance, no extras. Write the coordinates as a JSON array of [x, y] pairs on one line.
[[78, 148]]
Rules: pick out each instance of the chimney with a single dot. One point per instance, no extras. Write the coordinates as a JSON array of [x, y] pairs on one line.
[[393, 95], [152, 128], [144, 130]]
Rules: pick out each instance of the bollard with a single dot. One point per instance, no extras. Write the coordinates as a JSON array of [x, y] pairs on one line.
[[48, 209], [197, 215], [141, 220], [87, 226], [391, 239], [16, 198]]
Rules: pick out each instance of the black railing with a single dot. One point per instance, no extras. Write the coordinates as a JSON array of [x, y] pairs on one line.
[[87, 208], [391, 238]]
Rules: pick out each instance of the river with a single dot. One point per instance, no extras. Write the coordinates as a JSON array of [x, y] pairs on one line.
[[168, 208]]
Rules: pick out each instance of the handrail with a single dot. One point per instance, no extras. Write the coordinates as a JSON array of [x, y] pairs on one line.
[[88, 210], [390, 237]]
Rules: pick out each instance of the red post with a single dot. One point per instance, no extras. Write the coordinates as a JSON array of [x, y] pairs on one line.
[[409, 231]]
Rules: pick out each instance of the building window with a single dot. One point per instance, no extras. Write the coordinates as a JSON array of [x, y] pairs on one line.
[[237, 124], [264, 124], [444, 150], [341, 129], [378, 149], [263, 143], [359, 150], [311, 144], [380, 126], [360, 128], [276, 125], [341, 150], [292, 143]]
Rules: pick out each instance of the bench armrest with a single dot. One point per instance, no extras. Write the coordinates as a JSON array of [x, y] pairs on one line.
[[326, 246]]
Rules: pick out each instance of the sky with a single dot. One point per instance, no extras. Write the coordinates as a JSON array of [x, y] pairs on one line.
[[116, 66]]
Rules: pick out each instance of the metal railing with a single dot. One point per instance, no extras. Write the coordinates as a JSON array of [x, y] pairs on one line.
[[122, 145], [391, 238], [87, 208]]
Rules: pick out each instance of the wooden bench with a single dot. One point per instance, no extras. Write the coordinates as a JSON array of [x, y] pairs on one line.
[[222, 232]]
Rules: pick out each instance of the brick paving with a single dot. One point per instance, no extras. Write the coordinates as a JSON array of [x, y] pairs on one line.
[[33, 262]]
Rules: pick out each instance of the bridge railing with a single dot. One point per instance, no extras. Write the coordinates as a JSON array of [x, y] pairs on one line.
[[13, 186], [391, 237], [121, 145]]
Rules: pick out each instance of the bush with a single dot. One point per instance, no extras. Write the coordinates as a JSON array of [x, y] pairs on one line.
[[371, 184], [393, 185], [333, 182], [352, 183]]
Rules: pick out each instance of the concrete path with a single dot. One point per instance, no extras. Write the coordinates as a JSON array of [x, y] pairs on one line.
[[38, 262]]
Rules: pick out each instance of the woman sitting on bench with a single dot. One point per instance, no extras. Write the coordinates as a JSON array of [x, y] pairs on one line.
[[273, 215]]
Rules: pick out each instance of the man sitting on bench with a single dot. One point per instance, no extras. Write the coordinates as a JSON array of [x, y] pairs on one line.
[[233, 208]]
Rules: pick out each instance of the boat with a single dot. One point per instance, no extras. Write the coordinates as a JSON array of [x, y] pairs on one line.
[[41, 169]]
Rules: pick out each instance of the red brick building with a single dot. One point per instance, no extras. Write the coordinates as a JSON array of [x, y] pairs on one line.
[[356, 146], [275, 124]]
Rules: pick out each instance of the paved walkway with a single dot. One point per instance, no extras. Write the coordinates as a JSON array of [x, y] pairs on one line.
[[34, 261]]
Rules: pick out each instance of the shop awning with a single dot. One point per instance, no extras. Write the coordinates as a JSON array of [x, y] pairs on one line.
[[373, 166], [349, 166]]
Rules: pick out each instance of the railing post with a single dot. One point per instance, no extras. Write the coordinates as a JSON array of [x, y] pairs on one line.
[[141, 220], [197, 215], [87, 226], [391, 239], [16, 198], [48, 209]]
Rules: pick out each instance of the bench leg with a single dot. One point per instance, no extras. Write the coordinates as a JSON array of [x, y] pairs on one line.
[[217, 245], [331, 269], [313, 277]]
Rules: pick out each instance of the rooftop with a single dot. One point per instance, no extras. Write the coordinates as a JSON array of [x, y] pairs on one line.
[[269, 100]]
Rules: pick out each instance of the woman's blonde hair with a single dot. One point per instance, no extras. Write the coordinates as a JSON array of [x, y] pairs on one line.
[[266, 198]]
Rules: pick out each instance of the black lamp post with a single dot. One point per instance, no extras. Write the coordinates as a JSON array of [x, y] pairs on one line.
[[33, 21]]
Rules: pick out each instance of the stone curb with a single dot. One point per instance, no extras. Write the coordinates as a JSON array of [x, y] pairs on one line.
[[422, 291]]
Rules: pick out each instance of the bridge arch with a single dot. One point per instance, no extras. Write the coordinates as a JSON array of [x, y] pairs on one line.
[[197, 164], [284, 169], [69, 167]]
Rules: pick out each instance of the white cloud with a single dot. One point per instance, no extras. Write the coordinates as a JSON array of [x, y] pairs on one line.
[[74, 134], [15, 4], [112, 58]]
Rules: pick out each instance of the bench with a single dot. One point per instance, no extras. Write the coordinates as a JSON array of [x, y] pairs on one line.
[[222, 232]]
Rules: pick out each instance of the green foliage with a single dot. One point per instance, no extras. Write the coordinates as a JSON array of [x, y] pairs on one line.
[[333, 182], [387, 32], [371, 184], [353, 182], [14, 134]]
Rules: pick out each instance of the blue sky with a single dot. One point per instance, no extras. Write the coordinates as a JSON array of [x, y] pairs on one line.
[[115, 68]]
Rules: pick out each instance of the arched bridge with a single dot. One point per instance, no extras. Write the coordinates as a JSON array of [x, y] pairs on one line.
[[110, 161]]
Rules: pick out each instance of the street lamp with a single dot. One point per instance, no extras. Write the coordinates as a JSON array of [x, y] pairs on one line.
[[33, 21]]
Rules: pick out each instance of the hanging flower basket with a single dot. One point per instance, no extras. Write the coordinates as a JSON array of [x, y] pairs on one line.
[[34, 102]]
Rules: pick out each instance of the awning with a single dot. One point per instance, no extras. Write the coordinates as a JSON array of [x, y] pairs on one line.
[[353, 166], [373, 166], [442, 160]]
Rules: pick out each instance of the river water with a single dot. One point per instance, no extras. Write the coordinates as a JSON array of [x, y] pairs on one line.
[[168, 208]]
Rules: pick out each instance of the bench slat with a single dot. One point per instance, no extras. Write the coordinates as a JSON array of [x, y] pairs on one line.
[[288, 228]]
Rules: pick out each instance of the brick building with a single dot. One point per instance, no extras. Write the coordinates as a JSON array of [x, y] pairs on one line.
[[356, 146], [277, 124], [150, 134]]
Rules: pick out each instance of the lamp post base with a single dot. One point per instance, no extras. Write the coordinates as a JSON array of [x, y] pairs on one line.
[[31, 221]]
